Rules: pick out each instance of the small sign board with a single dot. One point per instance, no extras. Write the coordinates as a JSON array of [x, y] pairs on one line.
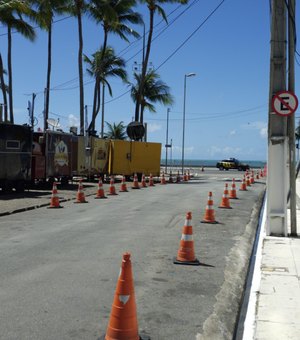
[[284, 103]]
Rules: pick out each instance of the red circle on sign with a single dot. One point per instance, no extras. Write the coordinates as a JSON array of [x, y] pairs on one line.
[[278, 97]]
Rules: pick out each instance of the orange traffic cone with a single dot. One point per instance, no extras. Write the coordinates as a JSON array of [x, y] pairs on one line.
[[178, 177], [248, 181], [185, 178], [261, 173], [143, 183], [163, 180], [265, 170], [80, 197], [151, 182], [135, 182], [188, 175], [100, 191], [209, 216], [232, 192], [186, 253], [252, 177], [123, 323], [54, 202], [123, 185], [112, 188], [243, 186], [257, 175], [225, 204], [170, 177]]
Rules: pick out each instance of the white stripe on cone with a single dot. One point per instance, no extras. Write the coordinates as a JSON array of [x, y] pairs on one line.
[[185, 237]]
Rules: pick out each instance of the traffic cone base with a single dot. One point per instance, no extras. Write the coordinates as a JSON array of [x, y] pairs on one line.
[[189, 263], [210, 222]]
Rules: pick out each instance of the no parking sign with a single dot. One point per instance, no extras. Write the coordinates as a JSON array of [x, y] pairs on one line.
[[284, 103]]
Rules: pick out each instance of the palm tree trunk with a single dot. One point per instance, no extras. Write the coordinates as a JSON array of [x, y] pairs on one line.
[[47, 99], [9, 66], [102, 115], [80, 68], [92, 123], [96, 101], [145, 65], [3, 89]]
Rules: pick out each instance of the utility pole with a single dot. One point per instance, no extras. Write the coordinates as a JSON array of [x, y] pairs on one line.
[[291, 118], [45, 117], [277, 127]]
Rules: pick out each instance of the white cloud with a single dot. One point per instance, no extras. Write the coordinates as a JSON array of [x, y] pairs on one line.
[[73, 121], [188, 149], [264, 132], [152, 127], [232, 132], [260, 126], [226, 151]]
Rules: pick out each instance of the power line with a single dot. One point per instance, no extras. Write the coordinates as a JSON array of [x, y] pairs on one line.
[[36, 27], [191, 35]]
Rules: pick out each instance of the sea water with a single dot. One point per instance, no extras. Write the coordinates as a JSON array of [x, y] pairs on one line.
[[208, 163]]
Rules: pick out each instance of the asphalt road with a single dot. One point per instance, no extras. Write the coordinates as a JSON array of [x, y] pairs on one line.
[[59, 267]]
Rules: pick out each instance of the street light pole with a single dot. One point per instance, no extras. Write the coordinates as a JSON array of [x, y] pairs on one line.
[[183, 120], [167, 146]]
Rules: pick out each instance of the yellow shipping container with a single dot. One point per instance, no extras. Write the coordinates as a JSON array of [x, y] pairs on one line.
[[129, 157], [92, 156]]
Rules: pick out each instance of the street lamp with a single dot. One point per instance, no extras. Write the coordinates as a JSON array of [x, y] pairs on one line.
[[183, 123]]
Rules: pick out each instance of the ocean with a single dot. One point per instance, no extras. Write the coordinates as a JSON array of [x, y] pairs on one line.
[[207, 163]]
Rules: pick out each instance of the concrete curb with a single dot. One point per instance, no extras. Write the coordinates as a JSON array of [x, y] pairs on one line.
[[221, 323], [38, 206]]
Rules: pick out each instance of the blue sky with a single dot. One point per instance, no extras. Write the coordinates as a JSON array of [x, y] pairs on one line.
[[226, 102]]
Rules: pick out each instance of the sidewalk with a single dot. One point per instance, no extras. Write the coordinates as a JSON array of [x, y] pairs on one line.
[[274, 305]]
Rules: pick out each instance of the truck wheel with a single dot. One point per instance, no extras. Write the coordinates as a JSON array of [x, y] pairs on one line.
[[20, 186], [221, 168]]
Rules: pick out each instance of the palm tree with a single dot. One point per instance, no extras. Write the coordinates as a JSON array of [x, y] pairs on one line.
[[46, 9], [101, 67], [113, 15], [116, 131], [154, 91], [4, 90], [153, 6], [12, 17], [77, 8]]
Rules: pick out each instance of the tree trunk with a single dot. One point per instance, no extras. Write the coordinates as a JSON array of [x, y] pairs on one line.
[[96, 104], [3, 89], [9, 66], [145, 66], [47, 99], [80, 68], [102, 115]]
